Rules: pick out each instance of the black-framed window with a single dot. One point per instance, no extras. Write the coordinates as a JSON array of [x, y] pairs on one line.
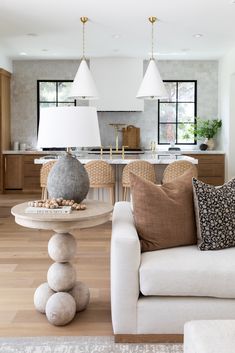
[[53, 93], [176, 114]]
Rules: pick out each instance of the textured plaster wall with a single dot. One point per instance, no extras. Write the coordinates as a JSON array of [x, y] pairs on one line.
[[227, 109], [24, 96]]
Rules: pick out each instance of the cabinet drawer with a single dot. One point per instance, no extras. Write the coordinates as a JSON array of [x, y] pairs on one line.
[[208, 158], [217, 181], [211, 170], [30, 159]]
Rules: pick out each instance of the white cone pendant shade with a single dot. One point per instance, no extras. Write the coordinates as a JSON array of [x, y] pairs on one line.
[[83, 86], [152, 86]]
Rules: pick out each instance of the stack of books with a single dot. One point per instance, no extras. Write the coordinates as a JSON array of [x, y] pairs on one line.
[[44, 210]]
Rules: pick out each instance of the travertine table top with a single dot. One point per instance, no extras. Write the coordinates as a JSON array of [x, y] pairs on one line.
[[97, 212]]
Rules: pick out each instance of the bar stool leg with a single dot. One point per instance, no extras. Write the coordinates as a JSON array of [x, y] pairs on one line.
[[124, 193], [112, 194]]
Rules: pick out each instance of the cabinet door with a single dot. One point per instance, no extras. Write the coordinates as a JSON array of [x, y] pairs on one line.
[[13, 177]]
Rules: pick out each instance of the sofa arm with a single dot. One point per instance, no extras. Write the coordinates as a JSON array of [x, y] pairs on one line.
[[125, 262]]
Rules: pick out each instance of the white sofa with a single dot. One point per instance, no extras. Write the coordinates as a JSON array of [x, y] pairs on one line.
[[154, 294]]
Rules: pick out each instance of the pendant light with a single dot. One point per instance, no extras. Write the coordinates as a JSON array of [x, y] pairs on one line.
[[152, 86], [83, 86]]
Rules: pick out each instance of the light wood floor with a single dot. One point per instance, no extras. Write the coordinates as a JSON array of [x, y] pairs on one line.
[[23, 266]]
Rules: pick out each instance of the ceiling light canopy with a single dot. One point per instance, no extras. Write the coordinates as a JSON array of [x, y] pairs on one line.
[[152, 86], [198, 35], [83, 86]]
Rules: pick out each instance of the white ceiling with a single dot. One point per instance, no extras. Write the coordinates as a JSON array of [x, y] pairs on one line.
[[57, 26]]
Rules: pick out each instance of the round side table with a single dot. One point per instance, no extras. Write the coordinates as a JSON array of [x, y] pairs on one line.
[[62, 295]]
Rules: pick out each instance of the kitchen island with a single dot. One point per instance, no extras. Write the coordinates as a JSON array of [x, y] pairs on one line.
[[160, 161], [21, 174]]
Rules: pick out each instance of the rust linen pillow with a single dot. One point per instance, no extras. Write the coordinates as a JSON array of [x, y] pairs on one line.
[[164, 214]]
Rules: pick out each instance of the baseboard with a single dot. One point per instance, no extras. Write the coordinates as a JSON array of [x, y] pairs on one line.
[[152, 338]]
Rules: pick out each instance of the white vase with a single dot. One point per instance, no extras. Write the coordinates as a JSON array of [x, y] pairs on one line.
[[210, 143]]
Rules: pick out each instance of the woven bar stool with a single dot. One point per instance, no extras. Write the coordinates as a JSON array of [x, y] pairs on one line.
[[45, 169], [176, 169], [141, 168], [101, 175]]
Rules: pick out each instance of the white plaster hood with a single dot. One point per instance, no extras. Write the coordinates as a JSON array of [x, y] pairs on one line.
[[117, 81]]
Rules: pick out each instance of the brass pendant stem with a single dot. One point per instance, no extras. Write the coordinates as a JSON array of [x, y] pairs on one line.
[[84, 21], [152, 20]]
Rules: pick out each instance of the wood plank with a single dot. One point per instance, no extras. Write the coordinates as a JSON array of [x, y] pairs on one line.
[[165, 338]]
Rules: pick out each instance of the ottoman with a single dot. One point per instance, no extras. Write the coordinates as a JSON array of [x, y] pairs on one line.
[[209, 336]]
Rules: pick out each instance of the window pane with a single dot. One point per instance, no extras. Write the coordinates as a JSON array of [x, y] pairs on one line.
[[167, 112], [171, 92], [45, 105], [185, 133], [69, 104], [167, 133], [186, 112], [186, 91], [47, 91], [64, 91]]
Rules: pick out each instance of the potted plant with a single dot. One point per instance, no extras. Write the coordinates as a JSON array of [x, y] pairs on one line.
[[205, 129]]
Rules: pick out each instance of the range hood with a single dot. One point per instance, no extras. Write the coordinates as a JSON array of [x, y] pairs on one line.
[[117, 81]]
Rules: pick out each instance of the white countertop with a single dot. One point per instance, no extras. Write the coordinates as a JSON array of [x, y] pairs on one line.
[[182, 152], [152, 158], [31, 152]]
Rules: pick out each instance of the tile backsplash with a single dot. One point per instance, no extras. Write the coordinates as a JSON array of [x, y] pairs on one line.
[[24, 97]]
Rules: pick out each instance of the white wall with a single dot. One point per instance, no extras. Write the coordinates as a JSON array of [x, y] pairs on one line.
[[227, 109], [5, 62]]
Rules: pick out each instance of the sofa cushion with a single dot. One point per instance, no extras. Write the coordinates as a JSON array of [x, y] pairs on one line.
[[186, 271], [164, 214], [215, 215]]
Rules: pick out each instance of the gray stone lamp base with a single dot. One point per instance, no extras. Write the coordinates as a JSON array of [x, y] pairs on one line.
[[68, 179]]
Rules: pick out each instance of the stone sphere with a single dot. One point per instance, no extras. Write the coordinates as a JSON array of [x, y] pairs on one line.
[[62, 247], [41, 296], [81, 294], [60, 309], [61, 277], [68, 179]]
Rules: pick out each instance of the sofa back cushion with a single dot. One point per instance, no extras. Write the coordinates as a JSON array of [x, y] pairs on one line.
[[164, 214]]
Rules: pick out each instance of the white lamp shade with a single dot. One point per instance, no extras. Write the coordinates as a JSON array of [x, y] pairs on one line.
[[152, 86], [83, 86], [68, 127]]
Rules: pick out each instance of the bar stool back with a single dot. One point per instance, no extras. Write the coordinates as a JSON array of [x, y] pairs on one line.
[[101, 175], [176, 169], [45, 169], [143, 169]]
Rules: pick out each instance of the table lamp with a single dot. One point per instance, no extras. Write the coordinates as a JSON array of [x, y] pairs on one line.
[[68, 127]]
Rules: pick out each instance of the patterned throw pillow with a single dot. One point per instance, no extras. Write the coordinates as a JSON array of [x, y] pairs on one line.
[[215, 215]]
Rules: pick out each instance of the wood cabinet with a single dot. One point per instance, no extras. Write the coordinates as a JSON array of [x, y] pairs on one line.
[[210, 168], [21, 173], [5, 78]]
